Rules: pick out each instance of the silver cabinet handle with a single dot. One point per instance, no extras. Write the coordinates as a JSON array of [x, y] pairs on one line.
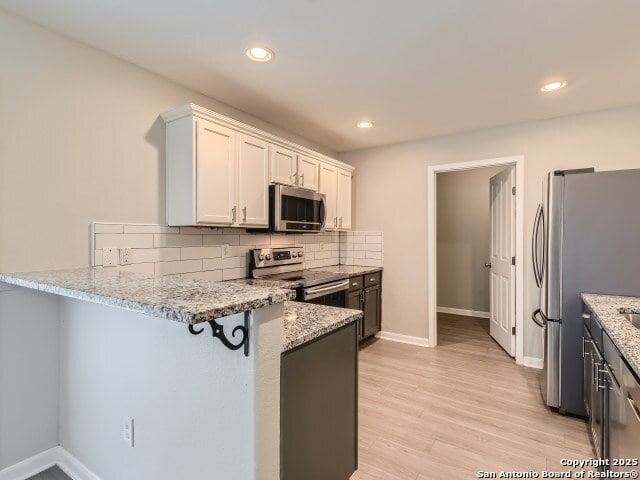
[[294, 178], [633, 407], [488, 264], [584, 352], [354, 284], [340, 222], [335, 221], [244, 214], [596, 375], [302, 178], [586, 315], [233, 212]]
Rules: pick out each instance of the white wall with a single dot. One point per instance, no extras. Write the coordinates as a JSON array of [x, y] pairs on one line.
[[80, 141], [606, 140], [463, 214], [29, 373]]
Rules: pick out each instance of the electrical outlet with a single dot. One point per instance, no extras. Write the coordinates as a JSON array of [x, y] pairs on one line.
[[225, 250], [127, 431], [126, 256], [321, 246], [110, 256]]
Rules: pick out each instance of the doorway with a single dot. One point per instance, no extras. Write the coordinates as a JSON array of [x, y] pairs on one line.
[[517, 162]]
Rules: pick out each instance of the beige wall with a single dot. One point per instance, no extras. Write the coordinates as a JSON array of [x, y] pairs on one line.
[[607, 140], [463, 238], [80, 141]]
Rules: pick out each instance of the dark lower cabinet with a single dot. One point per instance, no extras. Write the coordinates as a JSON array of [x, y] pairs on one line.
[[318, 408], [371, 322], [365, 293]]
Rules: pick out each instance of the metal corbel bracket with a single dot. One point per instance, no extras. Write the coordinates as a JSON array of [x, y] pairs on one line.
[[217, 331]]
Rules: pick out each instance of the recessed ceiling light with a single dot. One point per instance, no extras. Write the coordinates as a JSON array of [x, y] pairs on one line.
[[553, 86], [259, 54], [364, 125]]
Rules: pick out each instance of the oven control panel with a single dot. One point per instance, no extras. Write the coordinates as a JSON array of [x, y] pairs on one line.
[[271, 257]]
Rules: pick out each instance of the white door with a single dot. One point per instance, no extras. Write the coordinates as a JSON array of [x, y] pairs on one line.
[[253, 182], [283, 166], [308, 173], [344, 199], [503, 309], [215, 174], [329, 186]]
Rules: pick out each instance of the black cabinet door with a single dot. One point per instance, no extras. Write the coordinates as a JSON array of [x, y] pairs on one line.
[[371, 323], [318, 407], [354, 301]]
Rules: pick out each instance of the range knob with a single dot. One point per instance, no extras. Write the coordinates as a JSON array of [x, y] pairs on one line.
[[294, 254], [300, 254], [268, 256], [261, 257]]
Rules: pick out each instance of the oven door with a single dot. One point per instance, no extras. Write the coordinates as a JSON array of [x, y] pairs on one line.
[[296, 209], [333, 294]]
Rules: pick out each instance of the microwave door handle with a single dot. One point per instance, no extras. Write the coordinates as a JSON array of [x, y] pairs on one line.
[[323, 208]]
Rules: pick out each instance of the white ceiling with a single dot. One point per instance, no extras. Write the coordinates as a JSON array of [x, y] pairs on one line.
[[416, 68]]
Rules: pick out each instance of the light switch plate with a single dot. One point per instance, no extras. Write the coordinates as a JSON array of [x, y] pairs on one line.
[[110, 256]]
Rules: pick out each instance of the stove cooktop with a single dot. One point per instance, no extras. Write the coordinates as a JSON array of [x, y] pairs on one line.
[[308, 278]]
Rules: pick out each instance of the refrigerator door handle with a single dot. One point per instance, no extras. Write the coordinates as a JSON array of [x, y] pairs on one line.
[[534, 317], [541, 264], [534, 246]]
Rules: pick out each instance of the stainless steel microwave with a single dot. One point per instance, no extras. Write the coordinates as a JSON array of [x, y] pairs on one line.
[[296, 210]]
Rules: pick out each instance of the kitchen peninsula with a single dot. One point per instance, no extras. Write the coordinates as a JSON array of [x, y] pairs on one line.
[[117, 375]]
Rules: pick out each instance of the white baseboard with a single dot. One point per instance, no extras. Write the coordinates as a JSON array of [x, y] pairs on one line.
[[466, 313], [31, 466], [533, 362], [396, 337], [47, 459], [74, 468]]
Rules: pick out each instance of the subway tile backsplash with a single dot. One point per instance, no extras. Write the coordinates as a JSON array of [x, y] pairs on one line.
[[223, 253]]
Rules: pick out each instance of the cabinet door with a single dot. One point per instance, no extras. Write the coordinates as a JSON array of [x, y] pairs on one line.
[[329, 186], [319, 408], [253, 182], [215, 174], [344, 199], [354, 301], [308, 173], [283, 166], [371, 311]]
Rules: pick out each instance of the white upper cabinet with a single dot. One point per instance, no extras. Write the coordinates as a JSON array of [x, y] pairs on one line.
[[329, 186], [344, 199], [215, 173], [308, 173], [218, 172], [253, 182], [283, 166]]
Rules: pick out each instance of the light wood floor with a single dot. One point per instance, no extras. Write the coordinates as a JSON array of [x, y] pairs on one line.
[[451, 411]]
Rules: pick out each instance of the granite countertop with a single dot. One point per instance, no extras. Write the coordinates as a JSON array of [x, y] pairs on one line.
[[606, 309], [304, 322], [348, 269], [181, 300]]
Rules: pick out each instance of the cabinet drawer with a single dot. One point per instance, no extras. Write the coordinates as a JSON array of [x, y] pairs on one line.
[[372, 279], [355, 283]]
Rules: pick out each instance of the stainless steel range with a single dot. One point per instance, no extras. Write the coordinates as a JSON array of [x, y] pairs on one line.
[[315, 286]]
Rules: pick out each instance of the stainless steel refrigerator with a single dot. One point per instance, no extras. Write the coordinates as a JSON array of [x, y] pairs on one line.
[[586, 238]]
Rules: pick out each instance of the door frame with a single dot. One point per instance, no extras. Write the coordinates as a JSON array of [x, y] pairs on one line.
[[432, 269]]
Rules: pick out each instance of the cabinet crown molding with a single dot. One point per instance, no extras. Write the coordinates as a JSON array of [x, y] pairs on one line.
[[193, 110]]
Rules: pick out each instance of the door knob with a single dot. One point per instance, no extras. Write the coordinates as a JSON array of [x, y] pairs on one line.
[[488, 265]]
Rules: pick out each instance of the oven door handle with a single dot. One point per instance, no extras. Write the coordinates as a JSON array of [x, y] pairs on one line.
[[312, 293]]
